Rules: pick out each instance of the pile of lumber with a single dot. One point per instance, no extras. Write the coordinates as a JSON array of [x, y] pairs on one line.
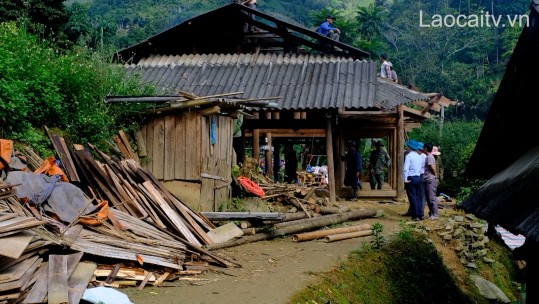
[[294, 223], [147, 236], [132, 189], [19, 254]]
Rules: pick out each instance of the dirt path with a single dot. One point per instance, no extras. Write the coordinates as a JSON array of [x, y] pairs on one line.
[[272, 270]]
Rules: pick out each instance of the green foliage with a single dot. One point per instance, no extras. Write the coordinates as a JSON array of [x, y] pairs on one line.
[[235, 204], [456, 140], [406, 232], [39, 16], [402, 271], [41, 87], [378, 239]]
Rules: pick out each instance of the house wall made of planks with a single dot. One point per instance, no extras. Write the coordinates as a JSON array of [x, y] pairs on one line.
[[182, 154]]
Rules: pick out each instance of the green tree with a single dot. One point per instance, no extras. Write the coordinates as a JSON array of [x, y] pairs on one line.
[[40, 86], [46, 16], [370, 26]]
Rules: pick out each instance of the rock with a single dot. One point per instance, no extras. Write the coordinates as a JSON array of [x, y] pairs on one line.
[[458, 232], [448, 237], [459, 218], [478, 245], [471, 217], [471, 265], [488, 261], [489, 290]]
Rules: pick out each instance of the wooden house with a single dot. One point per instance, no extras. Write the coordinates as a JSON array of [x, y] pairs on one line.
[[325, 89], [507, 153]]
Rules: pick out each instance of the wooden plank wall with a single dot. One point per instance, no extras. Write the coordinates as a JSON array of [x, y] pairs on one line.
[[179, 148], [216, 161]]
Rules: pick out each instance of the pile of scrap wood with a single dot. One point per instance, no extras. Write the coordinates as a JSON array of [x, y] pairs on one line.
[[136, 230]]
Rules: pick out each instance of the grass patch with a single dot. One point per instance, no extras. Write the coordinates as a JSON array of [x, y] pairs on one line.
[[405, 270], [504, 272]]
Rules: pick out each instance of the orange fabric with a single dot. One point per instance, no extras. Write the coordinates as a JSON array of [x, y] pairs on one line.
[[6, 149], [102, 214], [49, 167], [251, 186]]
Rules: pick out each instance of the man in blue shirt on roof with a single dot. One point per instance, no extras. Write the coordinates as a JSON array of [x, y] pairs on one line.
[[325, 29]]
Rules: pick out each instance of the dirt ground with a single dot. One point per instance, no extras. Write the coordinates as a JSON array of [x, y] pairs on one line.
[[271, 270]]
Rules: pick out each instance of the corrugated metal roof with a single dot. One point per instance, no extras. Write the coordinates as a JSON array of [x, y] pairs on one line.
[[302, 81], [510, 197]]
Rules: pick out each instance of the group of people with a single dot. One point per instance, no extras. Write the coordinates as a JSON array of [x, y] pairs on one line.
[[421, 179], [379, 161]]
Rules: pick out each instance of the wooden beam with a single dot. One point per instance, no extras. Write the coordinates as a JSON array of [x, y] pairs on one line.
[[409, 126], [331, 165], [399, 161], [291, 133], [269, 167], [243, 216], [415, 112], [256, 139]]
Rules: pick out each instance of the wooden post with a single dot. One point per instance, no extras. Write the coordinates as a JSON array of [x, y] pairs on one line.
[[399, 161], [331, 166], [276, 160], [256, 139], [339, 177], [269, 166]]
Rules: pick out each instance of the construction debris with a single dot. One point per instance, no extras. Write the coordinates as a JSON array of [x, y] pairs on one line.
[[126, 223]]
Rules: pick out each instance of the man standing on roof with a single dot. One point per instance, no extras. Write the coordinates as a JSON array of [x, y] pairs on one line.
[[250, 4], [326, 29], [385, 68]]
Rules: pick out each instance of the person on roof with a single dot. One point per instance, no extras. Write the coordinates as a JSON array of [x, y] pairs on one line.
[[385, 68], [250, 4], [326, 29], [393, 75]]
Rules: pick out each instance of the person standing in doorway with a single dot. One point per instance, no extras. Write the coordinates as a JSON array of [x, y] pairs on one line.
[[238, 140], [290, 164], [354, 167], [379, 160]]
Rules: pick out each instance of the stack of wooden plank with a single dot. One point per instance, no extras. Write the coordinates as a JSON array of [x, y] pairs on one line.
[[19, 254], [132, 189]]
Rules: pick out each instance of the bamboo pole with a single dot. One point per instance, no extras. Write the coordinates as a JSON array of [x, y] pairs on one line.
[[344, 236], [323, 233]]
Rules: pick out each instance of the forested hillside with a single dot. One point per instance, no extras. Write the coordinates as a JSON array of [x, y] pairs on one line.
[[465, 62]]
